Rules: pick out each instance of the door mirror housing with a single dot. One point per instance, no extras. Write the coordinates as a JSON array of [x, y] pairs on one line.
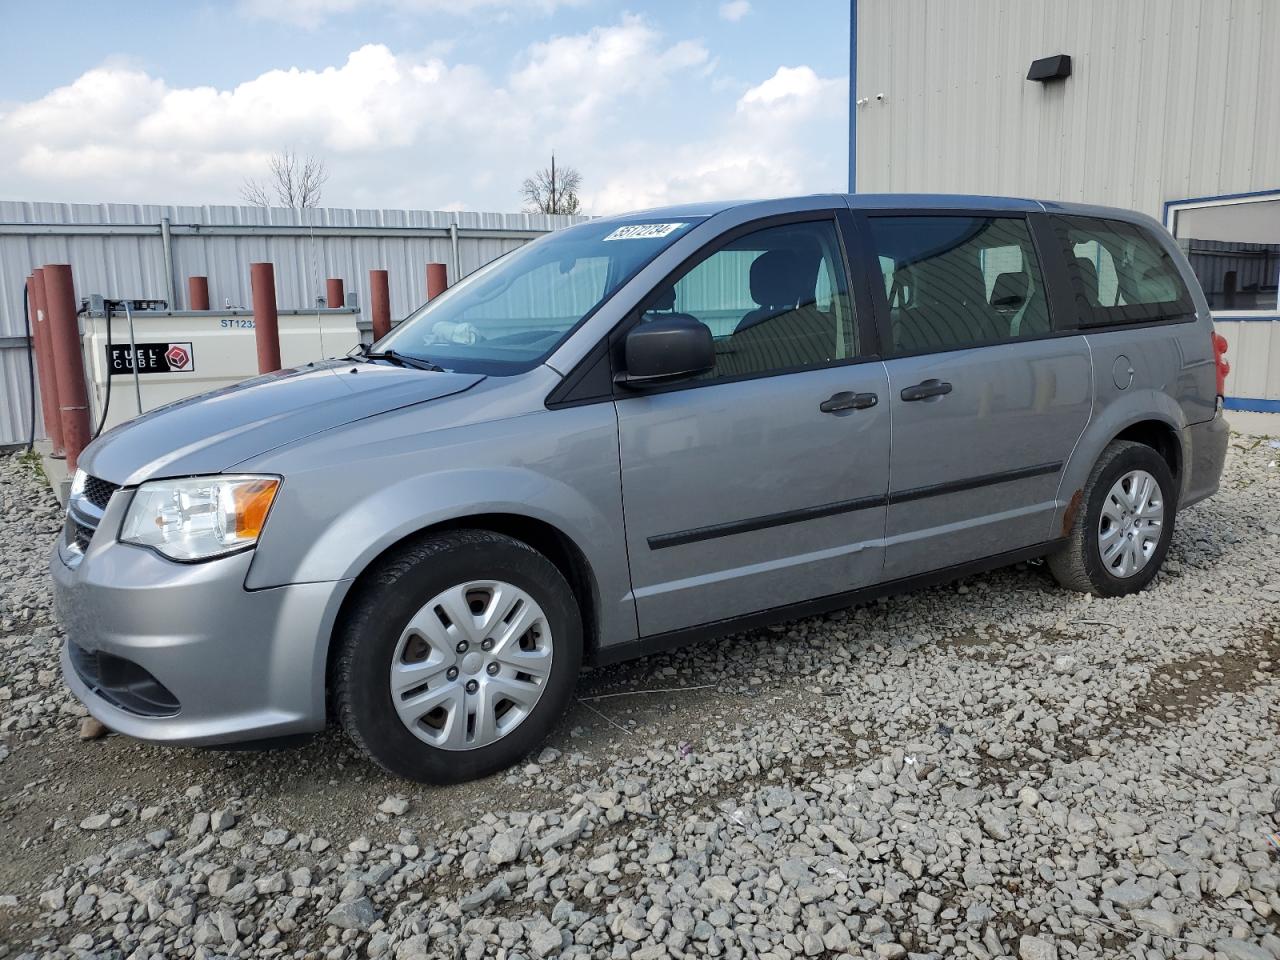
[[666, 349]]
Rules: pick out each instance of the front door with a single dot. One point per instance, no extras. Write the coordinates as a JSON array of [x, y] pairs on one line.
[[763, 482], [988, 400]]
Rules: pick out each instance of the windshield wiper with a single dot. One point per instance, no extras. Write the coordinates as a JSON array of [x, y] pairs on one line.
[[404, 360]]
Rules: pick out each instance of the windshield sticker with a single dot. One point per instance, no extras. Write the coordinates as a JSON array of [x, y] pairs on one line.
[[645, 231]]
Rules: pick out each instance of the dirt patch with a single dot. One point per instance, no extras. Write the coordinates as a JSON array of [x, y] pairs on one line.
[[1183, 689]]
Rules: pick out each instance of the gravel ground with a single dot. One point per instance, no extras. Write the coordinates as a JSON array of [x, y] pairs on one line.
[[991, 768]]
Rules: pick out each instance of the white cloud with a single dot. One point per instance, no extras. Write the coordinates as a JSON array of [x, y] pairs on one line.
[[629, 57], [373, 98], [120, 132], [376, 99], [404, 130], [734, 10], [705, 171], [110, 95], [786, 136], [791, 88]]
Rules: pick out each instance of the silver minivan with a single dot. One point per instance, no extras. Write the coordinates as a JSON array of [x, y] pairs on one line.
[[630, 434]]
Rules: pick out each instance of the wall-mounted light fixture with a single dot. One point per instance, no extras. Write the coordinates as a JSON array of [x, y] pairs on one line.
[[1050, 68]]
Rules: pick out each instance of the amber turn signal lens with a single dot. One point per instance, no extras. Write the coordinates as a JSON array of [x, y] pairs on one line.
[[252, 501]]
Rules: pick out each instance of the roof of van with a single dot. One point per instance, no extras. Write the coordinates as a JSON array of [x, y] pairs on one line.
[[897, 201], [963, 201], [934, 201]]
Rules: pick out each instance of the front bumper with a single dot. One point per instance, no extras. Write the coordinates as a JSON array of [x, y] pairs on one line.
[[183, 654]]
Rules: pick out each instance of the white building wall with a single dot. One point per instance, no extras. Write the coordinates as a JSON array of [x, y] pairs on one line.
[[1168, 99]]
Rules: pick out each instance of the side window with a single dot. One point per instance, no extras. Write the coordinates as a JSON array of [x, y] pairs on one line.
[[1120, 274], [953, 282], [775, 300]]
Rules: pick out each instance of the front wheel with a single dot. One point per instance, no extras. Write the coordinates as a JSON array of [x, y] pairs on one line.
[[1121, 533], [459, 656]]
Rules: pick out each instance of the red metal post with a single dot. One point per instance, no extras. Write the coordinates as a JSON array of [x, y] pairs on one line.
[[333, 295], [437, 280], [198, 293], [380, 303], [266, 322], [64, 330], [43, 345]]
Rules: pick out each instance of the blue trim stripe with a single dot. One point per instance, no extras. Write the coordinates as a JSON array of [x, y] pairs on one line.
[[1220, 196], [1255, 318], [1251, 404]]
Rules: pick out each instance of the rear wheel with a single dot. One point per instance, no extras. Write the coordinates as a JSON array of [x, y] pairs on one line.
[[459, 656], [1119, 538]]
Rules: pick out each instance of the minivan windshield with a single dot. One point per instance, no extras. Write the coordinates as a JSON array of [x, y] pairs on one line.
[[508, 316]]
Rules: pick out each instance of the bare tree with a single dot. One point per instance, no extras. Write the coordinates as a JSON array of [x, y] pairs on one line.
[[552, 190], [292, 181]]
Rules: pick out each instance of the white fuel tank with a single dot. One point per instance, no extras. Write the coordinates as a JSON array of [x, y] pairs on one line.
[[181, 353]]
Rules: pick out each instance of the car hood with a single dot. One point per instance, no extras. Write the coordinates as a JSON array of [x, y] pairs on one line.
[[213, 432]]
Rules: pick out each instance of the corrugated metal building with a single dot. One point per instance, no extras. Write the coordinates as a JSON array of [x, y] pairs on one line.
[[1170, 108], [148, 251]]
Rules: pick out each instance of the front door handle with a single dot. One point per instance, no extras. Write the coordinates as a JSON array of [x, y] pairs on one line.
[[925, 390], [845, 400]]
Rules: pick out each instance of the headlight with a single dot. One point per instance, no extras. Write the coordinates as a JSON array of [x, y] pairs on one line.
[[200, 517], [77, 484]]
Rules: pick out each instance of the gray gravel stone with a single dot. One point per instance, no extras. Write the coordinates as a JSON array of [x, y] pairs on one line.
[[1036, 948], [494, 890], [358, 914], [1234, 949], [91, 729], [1157, 921], [546, 941], [394, 806], [1129, 895], [505, 847]]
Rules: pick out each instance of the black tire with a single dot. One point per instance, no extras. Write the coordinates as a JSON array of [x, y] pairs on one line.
[[397, 589], [1079, 565]]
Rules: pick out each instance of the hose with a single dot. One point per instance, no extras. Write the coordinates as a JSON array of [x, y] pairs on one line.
[[31, 363], [106, 397]]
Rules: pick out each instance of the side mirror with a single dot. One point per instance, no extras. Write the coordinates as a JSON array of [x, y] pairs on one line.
[[670, 348]]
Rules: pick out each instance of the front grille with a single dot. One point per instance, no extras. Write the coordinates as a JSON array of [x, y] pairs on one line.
[[122, 683], [98, 492], [85, 510], [78, 534]]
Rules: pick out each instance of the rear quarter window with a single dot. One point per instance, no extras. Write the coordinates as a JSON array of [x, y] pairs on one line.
[[1120, 273]]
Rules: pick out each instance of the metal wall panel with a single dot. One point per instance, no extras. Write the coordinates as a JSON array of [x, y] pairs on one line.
[[117, 250], [1168, 99], [15, 397]]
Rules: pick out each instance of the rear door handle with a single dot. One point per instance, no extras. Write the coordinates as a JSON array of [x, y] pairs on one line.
[[925, 390], [845, 400]]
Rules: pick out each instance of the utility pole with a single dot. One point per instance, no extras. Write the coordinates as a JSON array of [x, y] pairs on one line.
[[553, 181]]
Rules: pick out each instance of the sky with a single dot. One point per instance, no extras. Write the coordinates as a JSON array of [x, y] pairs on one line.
[[424, 104]]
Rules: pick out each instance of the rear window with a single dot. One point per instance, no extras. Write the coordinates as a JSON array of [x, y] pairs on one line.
[[957, 281], [1120, 274]]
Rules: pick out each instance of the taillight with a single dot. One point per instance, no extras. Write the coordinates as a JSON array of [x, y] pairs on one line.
[[1220, 362]]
